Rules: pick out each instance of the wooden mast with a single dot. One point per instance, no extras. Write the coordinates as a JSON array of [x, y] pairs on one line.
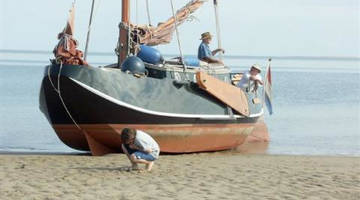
[[125, 11], [123, 44]]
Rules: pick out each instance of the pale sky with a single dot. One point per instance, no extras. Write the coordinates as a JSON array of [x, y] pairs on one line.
[[248, 27]]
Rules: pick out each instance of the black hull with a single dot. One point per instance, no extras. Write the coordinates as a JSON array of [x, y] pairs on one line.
[[90, 105]]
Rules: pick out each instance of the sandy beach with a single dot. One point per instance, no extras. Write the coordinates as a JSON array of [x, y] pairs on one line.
[[223, 175]]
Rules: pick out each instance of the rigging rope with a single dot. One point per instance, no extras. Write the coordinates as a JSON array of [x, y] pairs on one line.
[[57, 90], [137, 42], [136, 12], [218, 27], [89, 29], [148, 12], [51, 81], [229, 110], [177, 35]]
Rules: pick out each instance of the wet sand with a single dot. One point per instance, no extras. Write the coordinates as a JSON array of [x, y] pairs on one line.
[[223, 175]]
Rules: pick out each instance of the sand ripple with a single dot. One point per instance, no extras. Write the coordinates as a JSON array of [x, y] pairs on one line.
[[192, 176]]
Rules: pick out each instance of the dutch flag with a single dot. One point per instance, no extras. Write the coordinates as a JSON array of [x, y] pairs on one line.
[[267, 89]]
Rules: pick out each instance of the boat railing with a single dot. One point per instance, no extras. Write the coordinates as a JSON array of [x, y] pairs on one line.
[[172, 66]]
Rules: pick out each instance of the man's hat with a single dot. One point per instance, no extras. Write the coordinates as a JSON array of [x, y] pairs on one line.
[[256, 66], [205, 35]]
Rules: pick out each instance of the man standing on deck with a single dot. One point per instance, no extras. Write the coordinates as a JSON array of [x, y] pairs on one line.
[[204, 52]]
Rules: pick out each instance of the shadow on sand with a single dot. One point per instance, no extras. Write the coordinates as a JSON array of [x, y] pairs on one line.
[[119, 169]]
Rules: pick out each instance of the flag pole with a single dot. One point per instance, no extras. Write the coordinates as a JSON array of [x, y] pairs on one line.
[[265, 78], [266, 82]]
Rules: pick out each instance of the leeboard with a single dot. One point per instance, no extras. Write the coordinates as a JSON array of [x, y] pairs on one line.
[[230, 95]]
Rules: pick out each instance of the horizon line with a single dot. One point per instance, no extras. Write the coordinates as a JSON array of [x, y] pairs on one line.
[[19, 51]]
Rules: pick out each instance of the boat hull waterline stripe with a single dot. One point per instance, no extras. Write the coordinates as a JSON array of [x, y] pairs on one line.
[[121, 103]]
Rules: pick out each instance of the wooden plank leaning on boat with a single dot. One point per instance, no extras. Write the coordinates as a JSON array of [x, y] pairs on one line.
[[225, 92]]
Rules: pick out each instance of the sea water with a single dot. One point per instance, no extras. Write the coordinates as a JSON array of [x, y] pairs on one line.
[[316, 104]]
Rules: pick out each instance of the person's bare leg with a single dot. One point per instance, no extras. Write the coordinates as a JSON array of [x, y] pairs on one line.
[[134, 165], [149, 166], [136, 160]]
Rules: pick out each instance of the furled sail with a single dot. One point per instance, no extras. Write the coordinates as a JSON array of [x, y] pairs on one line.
[[66, 50], [162, 34]]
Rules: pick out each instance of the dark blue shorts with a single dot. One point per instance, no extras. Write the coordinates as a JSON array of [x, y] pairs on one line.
[[139, 154], [144, 156]]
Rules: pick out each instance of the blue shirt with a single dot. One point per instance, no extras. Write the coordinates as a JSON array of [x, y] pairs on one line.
[[204, 51]]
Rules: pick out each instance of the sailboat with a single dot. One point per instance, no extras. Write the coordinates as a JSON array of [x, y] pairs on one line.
[[186, 105]]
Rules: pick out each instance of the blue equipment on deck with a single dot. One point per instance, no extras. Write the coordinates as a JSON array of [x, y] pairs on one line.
[[133, 64], [150, 55], [191, 61]]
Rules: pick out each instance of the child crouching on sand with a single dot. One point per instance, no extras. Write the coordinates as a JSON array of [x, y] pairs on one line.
[[139, 148]]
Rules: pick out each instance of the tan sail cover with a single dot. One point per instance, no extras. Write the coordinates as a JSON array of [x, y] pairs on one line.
[[65, 50], [225, 92], [162, 34]]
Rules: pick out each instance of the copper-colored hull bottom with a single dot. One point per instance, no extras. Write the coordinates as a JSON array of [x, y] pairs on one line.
[[257, 141], [259, 134], [180, 138]]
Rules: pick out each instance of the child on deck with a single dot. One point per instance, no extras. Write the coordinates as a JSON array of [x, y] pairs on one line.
[[139, 147]]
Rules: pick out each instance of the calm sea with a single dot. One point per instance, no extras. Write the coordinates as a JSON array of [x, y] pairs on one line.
[[316, 104]]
